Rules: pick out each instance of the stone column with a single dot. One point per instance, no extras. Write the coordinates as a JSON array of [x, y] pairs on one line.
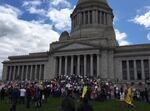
[[100, 14], [22, 73], [35, 76], [72, 64], [96, 16], [80, 18], [55, 66], [135, 70], [66, 64], [91, 65], [88, 17], [93, 17], [25, 73], [14, 72], [73, 22], [10, 72], [104, 18], [27, 68], [84, 21], [78, 64], [128, 73], [40, 72], [111, 65], [85, 65], [60, 65], [31, 72], [104, 64], [143, 74], [98, 65], [109, 19], [18, 71]]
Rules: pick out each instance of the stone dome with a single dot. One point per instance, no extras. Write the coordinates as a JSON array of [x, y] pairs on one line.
[[83, 1], [64, 36]]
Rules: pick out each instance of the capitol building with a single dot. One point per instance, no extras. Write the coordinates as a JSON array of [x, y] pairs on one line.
[[90, 50]]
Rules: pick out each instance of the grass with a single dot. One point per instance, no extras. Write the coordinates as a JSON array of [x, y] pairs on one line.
[[54, 105]]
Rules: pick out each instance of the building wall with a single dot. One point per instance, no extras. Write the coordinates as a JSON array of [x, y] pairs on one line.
[[136, 59]]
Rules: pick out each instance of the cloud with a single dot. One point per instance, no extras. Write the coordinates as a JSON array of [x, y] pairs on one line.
[[33, 7], [32, 3], [143, 19], [10, 10], [59, 2], [19, 37], [60, 18], [121, 38]]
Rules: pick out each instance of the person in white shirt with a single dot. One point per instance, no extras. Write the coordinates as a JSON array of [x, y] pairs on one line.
[[22, 95]]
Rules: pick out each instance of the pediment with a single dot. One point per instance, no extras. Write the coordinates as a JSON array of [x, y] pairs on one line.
[[75, 46]]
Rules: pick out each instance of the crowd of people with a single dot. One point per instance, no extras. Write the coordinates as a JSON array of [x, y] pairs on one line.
[[69, 88]]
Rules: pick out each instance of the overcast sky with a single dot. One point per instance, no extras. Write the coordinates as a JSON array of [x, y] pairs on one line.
[[31, 25]]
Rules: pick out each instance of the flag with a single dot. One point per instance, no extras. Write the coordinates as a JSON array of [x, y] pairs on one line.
[[84, 91]]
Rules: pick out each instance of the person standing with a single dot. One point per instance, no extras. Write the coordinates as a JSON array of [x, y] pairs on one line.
[[22, 95], [128, 97], [85, 106], [28, 97], [2, 94], [68, 102], [15, 96]]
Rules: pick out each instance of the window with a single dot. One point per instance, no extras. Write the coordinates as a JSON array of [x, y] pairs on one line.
[[139, 69], [146, 69], [124, 70], [131, 69]]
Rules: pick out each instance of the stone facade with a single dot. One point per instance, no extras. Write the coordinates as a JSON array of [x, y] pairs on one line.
[[90, 49]]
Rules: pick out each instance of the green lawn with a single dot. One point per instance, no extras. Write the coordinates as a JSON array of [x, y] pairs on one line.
[[54, 105]]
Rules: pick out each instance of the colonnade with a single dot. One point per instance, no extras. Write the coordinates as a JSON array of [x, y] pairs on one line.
[[85, 65], [91, 17], [136, 69], [25, 72]]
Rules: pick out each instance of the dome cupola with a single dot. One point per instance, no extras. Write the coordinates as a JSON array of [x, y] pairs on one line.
[[83, 1], [90, 18], [64, 36]]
